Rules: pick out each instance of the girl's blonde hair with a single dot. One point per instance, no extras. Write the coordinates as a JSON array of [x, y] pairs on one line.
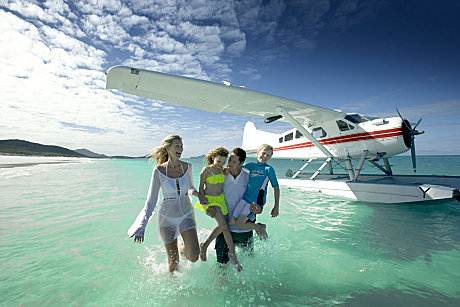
[[266, 147], [218, 151], [160, 154]]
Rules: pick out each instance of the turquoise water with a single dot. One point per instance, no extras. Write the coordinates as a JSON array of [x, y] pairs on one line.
[[63, 242]]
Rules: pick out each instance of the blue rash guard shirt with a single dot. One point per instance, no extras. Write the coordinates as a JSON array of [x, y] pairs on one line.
[[258, 172]]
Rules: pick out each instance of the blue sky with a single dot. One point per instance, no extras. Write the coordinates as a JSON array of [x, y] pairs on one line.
[[356, 56]]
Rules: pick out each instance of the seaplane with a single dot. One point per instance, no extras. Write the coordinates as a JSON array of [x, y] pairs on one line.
[[317, 134]]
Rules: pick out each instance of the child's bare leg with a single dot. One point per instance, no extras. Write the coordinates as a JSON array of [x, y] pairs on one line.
[[242, 222], [242, 204], [223, 225], [204, 245], [262, 232]]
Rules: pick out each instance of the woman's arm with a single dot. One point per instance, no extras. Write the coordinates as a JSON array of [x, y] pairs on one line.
[[138, 227], [192, 190], [203, 176]]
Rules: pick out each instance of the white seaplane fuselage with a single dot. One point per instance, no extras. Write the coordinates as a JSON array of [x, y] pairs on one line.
[[343, 138]]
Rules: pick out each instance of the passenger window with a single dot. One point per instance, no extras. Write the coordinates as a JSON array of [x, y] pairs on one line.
[[298, 134], [289, 137], [318, 133], [281, 139]]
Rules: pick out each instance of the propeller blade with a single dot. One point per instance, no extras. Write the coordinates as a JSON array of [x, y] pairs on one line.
[[412, 152], [404, 121], [399, 114], [419, 121], [413, 133]]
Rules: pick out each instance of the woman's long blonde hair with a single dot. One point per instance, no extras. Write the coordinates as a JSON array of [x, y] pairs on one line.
[[218, 151], [160, 154]]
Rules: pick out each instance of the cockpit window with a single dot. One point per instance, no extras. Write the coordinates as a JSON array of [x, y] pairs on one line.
[[343, 126], [298, 134], [318, 133], [357, 118]]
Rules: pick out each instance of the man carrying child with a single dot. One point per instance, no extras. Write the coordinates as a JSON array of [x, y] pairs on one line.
[[238, 187]]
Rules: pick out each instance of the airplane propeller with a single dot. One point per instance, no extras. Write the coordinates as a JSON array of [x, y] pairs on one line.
[[409, 134]]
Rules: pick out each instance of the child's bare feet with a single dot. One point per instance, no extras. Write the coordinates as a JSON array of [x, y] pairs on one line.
[[203, 249], [262, 231], [238, 266], [234, 261]]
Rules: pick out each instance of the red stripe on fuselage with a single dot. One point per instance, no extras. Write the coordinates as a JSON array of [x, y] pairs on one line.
[[347, 138]]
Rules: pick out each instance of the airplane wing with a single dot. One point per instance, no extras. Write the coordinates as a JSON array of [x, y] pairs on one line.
[[210, 96]]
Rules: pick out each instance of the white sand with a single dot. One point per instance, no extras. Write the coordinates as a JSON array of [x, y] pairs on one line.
[[15, 161]]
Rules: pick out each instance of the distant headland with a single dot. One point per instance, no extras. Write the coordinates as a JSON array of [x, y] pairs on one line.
[[26, 148]]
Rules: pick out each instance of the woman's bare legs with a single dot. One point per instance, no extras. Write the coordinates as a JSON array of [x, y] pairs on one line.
[[191, 246], [191, 249], [173, 255]]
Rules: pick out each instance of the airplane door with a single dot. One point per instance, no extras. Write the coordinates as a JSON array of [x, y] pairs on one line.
[[345, 130]]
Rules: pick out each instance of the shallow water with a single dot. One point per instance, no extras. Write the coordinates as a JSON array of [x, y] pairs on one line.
[[63, 242]]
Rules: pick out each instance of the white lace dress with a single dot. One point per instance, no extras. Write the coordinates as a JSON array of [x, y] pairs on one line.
[[175, 211]]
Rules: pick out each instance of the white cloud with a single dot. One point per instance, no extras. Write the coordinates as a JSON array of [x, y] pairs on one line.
[[51, 79], [99, 7], [251, 72], [439, 109]]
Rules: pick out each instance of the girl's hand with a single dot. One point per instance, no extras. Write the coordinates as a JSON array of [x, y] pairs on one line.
[[226, 170], [138, 239]]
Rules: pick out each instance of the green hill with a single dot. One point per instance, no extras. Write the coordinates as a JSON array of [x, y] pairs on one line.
[[89, 153], [20, 147]]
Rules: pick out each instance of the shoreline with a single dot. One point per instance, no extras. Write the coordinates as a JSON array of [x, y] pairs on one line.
[[11, 161]]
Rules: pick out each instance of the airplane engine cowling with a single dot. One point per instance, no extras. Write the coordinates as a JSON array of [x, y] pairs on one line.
[[406, 132]]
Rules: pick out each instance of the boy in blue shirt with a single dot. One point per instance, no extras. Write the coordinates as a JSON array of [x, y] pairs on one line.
[[259, 175]]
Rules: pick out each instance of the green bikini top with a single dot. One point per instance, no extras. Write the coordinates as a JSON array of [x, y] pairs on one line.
[[214, 179]]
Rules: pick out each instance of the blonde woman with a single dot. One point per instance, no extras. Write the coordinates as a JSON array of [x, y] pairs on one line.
[[175, 211]]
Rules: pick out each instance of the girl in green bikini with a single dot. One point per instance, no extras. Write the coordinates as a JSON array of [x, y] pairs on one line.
[[211, 186]]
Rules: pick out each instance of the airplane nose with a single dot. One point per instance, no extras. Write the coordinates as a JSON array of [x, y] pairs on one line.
[[406, 132]]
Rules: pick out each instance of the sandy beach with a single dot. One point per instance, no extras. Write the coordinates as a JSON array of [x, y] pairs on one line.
[[22, 161]]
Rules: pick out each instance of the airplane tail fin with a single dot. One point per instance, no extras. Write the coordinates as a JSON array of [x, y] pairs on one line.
[[253, 138]]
